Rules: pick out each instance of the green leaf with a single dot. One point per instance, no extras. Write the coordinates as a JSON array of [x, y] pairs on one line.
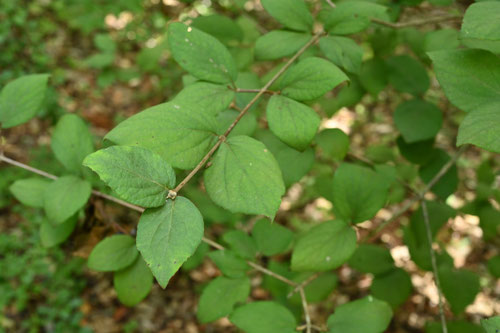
[[246, 126], [64, 197], [113, 253], [324, 247], [71, 142], [311, 78], [407, 75], [229, 264], [167, 236], [220, 296], [343, 52], [136, 174], [271, 238], [293, 163], [221, 27], [373, 259], [294, 123], [21, 99], [494, 266], [178, 133], [197, 258], [459, 286], [358, 192], [133, 283], [53, 235], [373, 75], [279, 43], [317, 290], [481, 26], [333, 142], [264, 317], [350, 17], [448, 184], [208, 98], [200, 54], [469, 78], [418, 120], [491, 325], [481, 127], [367, 315], [241, 243], [293, 14], [489, 221], [30, 191], [394, 287], [245, 178], [443, 39], [420, 152]]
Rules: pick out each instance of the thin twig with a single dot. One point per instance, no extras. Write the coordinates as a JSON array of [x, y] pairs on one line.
[[416, 23], [303, 284], [271, 273], [261, 92], [434, 264], [306, 310], [270, 92]]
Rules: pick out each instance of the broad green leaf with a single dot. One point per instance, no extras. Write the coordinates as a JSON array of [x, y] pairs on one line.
[[481, 127], [439, 214], [220, 296], [241, 243], [221, 27], [343, 52], [293, 14], [489, 221], [264, 317], [347, 96], [113, 253], [358, 192], [469, 78], [443, 39], [136, 174], [293, 163], [133, 284], [229, 264], [420, 152], [407, 75], [21, 99], [324, 247], [333, 142], [459, 286], [167, 236], [208, 98], [279, 43], [30, 191], [311, 78], [373, 76], [200, 54], [456, 326], [71, 142], [448, 183], [178, 133], [481, 26], [393, 287], [367, 315], [245, 178], [369, 258], [418, 120], [271, 238], [64, 197], [491, 325], [350, 17], [494, 266], [292, 122], [317, 290], [51, 235]]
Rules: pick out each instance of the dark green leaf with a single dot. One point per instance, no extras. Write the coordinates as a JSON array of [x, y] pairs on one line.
[[279, 43], [394, 287], [460, 287], [293, 14], [133, 283], [343, 52], [271, 238], [418, 120], [53, 235], [113, 253], [373, 259], [167, 236], [448, 183], [407, 75], [64, 197], [264, 317], [334, 143], [221, 27]]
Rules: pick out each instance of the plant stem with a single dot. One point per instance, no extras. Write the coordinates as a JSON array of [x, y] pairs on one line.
[[306, 310], [270, 92], [434, 264], [261, 92], [303, 284], [416, 23]]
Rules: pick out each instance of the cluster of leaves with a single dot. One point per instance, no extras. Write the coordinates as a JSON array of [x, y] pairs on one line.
[[215, 118], [40, 287]]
